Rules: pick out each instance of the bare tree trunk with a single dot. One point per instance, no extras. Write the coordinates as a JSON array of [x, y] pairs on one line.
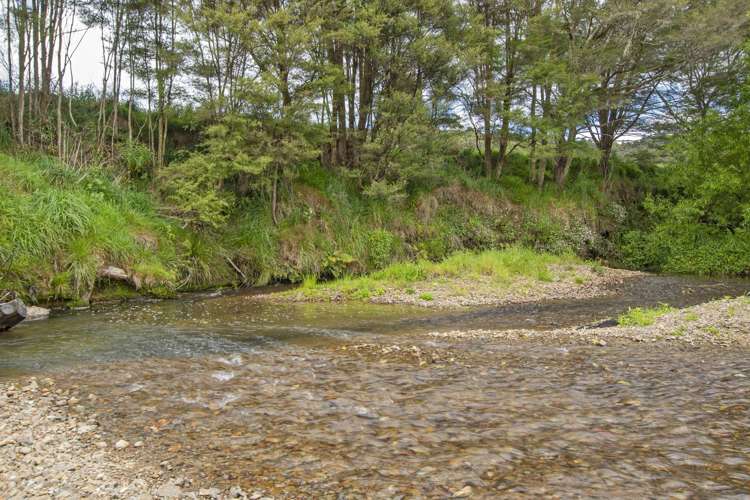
[[34, 91], [60, 75], [565, 155], [21, 25], [488, 167], [8, 35], [274, 201], [507, 98], [532, 141]]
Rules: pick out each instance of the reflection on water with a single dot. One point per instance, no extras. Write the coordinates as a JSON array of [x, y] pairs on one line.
[[236, 391]]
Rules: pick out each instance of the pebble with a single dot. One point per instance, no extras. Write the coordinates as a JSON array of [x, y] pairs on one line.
[[209, 492], [464, 492], [121, 444], [168, 490]]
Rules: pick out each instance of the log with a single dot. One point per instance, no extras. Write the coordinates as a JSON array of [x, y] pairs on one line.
[[118, 274], [114, 273], [11, 313]]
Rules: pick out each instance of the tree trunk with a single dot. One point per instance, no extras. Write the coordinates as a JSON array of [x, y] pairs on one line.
[[11, 106], [274, 201], [564, 156], [21, 28], [532, 141]]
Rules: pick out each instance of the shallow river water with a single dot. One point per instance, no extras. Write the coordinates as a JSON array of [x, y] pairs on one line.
[[231, 390]]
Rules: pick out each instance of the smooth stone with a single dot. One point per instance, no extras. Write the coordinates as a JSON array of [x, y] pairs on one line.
[[168, 490]]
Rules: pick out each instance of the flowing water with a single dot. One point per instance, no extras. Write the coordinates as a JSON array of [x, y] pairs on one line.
[[286, 397]]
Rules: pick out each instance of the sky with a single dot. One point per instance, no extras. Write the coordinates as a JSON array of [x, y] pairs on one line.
[[85, 61]]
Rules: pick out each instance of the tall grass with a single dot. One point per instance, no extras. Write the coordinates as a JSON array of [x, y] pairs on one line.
[[58, 226], [502, 266]]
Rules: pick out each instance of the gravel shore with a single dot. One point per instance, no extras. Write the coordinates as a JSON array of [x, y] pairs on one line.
[[724, 323], [566, 282], [50, 447]]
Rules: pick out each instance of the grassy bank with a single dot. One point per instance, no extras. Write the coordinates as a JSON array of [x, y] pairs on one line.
[[511, 275], [59, 227]]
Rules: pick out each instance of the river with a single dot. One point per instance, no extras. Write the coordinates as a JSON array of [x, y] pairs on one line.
[[310, 400]]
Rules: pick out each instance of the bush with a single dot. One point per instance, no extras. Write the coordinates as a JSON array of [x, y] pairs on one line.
[[380, 248]]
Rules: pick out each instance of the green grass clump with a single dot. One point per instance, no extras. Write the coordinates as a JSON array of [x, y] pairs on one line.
[[59, 226], [426, 296], [639, 316], [501, 266]]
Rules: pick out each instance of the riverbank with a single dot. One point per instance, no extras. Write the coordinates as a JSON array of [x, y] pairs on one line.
[[70, 237], [723, 323], [511, 276]]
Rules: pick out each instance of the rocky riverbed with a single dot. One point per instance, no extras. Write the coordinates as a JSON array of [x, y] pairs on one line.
[[51, 446], [338, 400], [724, 322]]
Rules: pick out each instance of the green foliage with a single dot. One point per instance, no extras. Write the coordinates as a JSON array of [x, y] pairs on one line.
[[190, 186], [699, 223], [405, 148], [638, 316], [58, 227], [503, 266], [137, 159], [381, 244]]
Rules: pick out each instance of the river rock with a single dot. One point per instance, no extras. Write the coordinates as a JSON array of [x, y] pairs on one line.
[[11, 313], [114, 273], [121, 444], [464, 492], [209, 492], [34, 313], [169, 490]]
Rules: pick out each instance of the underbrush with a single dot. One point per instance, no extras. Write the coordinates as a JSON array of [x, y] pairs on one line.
[[688, 249], [59, 226]]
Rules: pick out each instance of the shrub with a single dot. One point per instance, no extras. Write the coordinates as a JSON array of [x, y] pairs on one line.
[[380, 246]]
